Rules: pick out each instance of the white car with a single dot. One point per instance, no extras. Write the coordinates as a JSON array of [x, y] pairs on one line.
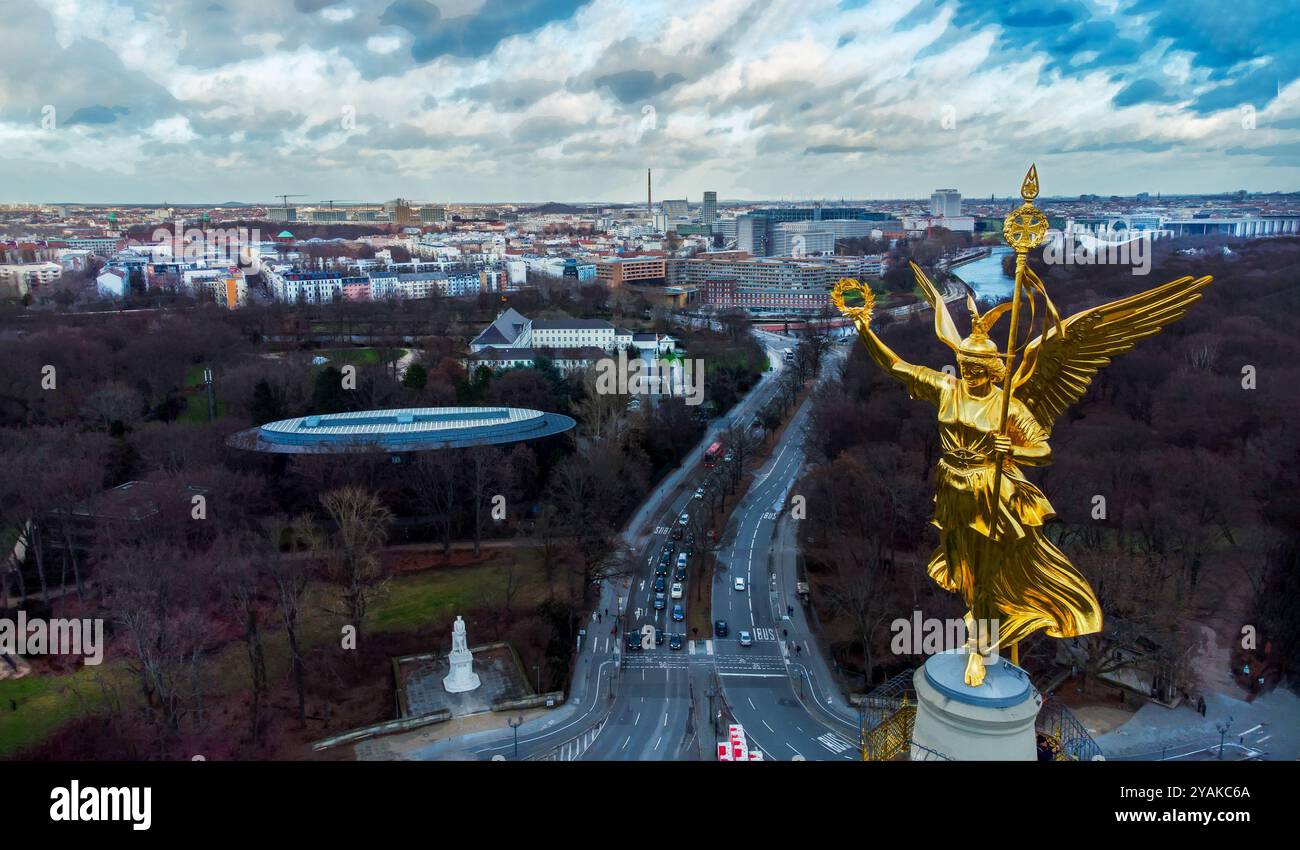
[[746, 639], [740, 583], [699, 492], [676, 590]]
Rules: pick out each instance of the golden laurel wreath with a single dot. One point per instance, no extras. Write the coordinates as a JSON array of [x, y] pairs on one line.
[[861, 312]]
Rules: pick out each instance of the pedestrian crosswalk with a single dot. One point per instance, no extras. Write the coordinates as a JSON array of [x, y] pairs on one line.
[[744, 664]]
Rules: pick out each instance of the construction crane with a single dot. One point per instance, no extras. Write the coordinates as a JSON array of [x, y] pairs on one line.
[[331, 201], [284, 199]]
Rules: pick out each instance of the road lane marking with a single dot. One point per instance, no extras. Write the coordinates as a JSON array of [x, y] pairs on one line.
[[834, 743]]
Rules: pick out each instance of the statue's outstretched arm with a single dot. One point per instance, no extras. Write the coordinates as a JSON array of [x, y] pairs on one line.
[[886, 359]]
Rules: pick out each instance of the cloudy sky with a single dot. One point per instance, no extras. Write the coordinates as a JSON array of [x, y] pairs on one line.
[[460, 100]]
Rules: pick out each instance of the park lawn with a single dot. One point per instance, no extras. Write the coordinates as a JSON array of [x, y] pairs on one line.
[[413, 600], [359, 356], [47, 702], [196, 398]]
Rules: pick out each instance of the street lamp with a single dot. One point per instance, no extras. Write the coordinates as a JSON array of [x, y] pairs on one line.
[[515, 726], [1223, 733]]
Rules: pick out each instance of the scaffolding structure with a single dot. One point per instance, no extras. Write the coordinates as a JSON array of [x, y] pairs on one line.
[[889, 717]]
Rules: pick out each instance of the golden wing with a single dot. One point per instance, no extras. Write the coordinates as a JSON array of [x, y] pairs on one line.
[[1059, 365], [943, 324]]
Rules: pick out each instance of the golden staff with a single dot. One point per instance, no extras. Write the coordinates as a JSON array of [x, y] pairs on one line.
[[1024, 230]]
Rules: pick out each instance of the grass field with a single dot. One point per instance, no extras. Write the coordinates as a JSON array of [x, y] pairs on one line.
[[196, 398], [412, 601], [47, 702], [360, 356]]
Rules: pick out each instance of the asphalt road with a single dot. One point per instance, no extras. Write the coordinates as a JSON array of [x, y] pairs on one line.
[[639, 705], [656, 687], [786, 721]]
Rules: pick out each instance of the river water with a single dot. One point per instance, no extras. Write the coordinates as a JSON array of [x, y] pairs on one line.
[[986, 278]]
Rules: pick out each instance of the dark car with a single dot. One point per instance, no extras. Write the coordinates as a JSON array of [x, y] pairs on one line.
[[668, 549], [633, 642], [679, 613], [680, 574], [660, 601], [720, 628], [660, 584], [675, 642], [662, 568], [677, 532], [659, 637]]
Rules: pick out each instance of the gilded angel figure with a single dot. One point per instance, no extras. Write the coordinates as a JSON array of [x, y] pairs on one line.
[[992, 549]]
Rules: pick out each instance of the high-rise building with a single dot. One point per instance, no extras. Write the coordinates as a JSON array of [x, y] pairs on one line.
[[945, 202], [399, 211], [709, 209], [676, 208]]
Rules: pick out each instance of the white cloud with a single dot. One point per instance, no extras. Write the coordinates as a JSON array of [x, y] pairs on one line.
[[174, 130], [337, 15], [383, 44]]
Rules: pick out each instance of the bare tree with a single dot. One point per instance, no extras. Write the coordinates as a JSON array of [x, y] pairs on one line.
[[241, 580], [860, 593], [289, 543], [351, 551], [483, 473], [434, 482]]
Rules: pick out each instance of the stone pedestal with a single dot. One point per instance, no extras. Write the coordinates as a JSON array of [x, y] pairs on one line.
[[991, 722], [462, 676]]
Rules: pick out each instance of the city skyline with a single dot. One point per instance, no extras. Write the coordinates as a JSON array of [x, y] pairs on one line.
[[567, 101]]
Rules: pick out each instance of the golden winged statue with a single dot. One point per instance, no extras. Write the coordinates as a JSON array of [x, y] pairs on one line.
[[992, 549]]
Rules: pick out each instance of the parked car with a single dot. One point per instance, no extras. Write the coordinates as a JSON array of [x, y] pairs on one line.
[[679, 613], [746, 639], [740, 583], [720, 628]]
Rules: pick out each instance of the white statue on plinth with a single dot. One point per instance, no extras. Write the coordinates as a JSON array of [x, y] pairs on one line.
[[462, 676]]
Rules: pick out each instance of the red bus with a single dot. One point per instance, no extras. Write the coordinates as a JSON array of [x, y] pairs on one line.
[[711, 455]]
